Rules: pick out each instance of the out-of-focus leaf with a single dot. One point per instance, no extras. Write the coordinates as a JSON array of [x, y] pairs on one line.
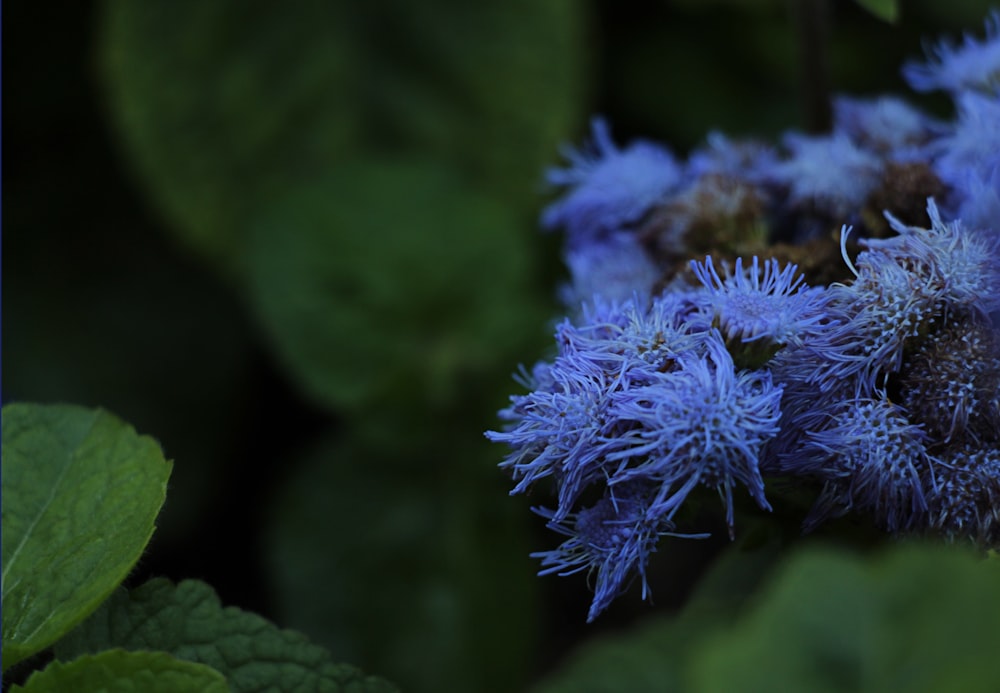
[[491, 86], [887, 10], [920, 618], [117, 671], [219, 102], [653, 657], [222, 105], [81, 491], [188, 621], [390, 277], [408, 568]]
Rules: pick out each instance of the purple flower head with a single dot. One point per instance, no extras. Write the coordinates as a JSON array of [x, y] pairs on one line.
[[971, 65], [559, 430], [887, 125], [701, 423], [829, 173], [640, 336], [609, 187], [960, 268], [978, 200], [612, 540], [951, 381], [871, 458], [563, 428], [613, 269], [972, 146], [722, 156], [965, 499], [902, 286], [772, 305], [883, 312]]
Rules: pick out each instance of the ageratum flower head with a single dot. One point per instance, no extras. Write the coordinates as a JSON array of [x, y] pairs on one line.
[[613, 269], [828, 173], [971, 146], [960, 267], [971, 65], [639, 335], [560, 429], [723, 156], [752, 304], [612, 540], [609, 188], [964, 501], [886, 125], [951, 381], [978, 200], [700, 423], [871, 458], [563, 428], [902, 286]]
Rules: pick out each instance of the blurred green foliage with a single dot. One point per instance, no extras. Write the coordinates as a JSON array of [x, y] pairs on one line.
[[913, 618], [429, 318], [226, 105], [388, 557], [297, 241]]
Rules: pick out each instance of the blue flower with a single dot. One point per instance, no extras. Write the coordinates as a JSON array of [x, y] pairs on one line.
[[830, 174], [610, 188], [871, 458], [951, 381], [639, 335], [902, 286], [564, 428], [561, 429], [886, 125], [977, 201], [722, 156], [965, 500], [972, 145], [612, 539], [772, 305], [699, 423], [613, 269], [959, 268], [971, 65]]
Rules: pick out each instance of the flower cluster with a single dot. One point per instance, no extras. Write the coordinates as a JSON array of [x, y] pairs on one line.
[[826, 310]]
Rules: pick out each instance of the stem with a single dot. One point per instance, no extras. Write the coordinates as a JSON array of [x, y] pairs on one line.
[[812, 22]]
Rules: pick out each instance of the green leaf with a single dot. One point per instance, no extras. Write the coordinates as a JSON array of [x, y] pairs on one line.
[[218, 102], [221, 105], [117, 671], [919, 618], [653, 656], [81, 491], [188, 621], [408, 567], [391, 277], [886, 10], [916, 618]]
